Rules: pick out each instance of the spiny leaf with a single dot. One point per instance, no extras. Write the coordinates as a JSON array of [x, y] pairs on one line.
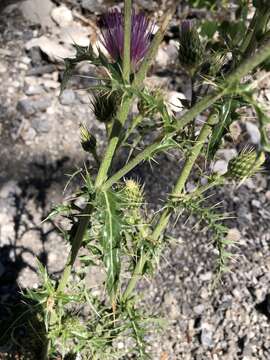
[[83, 53], [264, 121], [110, 241], [226, 116]]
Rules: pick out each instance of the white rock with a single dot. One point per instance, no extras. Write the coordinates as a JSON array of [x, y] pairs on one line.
[[220, 167], [253, 132], [206, 276], [67, 97], [199, 309], [162, 58], [267, 195], [62, 15], [256, 203], [50, 84], [92, 5], [227, 154], [207, 335], [167, 54], [74, 34], [51, 47], [37, 11], [233, 235], [9, 188], [33, 90]]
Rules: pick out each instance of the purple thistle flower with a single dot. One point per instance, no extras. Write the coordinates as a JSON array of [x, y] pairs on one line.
[[112, 29]]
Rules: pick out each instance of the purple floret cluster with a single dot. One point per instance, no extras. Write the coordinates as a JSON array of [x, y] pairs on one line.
[[112, 29]]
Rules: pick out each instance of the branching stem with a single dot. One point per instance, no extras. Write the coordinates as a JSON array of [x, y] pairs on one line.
[[123, 111], [164, 219], [233, 79], [120, 119]]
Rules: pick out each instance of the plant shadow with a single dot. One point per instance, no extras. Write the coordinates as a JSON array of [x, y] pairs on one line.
[[22, 333]]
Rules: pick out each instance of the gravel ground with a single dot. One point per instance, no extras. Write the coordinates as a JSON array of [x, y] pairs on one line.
[[40, 141]]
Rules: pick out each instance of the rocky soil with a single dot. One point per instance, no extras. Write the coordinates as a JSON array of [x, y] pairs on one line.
[[40, 142]]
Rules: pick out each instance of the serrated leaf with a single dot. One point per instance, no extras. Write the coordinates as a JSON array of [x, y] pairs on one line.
[[110, 241], [226, 117], [83, 53]]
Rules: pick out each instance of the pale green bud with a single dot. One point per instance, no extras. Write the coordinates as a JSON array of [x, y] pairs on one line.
[[88, 141], [246, 164], [133, 193]]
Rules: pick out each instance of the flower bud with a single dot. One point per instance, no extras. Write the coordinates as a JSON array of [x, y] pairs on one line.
[[191, 48], [88, 141], [246, 164], [105, 105], [133, 193]]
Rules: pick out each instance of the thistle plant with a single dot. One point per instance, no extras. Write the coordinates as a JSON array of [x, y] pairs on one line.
[[112, 228]]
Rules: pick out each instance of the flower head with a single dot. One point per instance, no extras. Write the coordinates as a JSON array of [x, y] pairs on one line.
[[190, 49], [105, 105], [112, 29], [245, 165]]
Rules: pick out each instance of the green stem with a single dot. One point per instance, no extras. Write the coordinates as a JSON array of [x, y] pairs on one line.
[[165, 217], [76, 244], [135, 122], [127, 40], [205, 103], [123, 111], [113, 142], [147, 152], [249, 34], [255, 31], [141, 74], [106, 163]]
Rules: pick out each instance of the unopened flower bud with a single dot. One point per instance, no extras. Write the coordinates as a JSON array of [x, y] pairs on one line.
[[134, 193], [88, 141], [246, 164], [105, 105], [191, 48]]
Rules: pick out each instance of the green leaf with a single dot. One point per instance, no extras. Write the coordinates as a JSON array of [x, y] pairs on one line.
[[208, 28], [226, 116], [232, 32], [83, 53], [264, 122], [110, 241]]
